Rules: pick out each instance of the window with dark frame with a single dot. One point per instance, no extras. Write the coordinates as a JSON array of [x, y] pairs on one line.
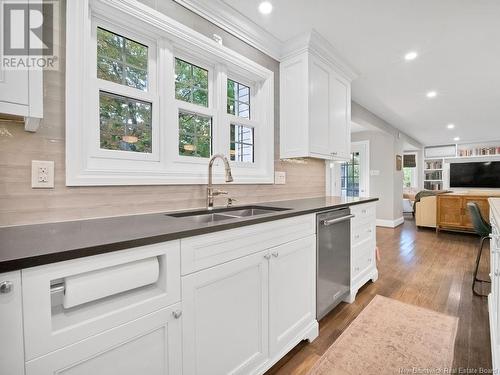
[[349, 176], [238, 99], [242, 144]]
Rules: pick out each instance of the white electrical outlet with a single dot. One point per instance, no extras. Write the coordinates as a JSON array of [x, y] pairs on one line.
[[42, 174], [279, 178]]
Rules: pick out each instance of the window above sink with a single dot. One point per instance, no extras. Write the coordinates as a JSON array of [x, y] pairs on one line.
[[149, 101]]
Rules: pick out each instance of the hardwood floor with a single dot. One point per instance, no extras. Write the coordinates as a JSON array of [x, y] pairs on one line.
[[420, 268]]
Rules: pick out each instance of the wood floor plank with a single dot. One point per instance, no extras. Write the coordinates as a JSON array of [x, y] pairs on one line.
[[423, 268]]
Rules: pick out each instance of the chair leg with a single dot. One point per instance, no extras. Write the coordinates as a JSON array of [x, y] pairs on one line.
[[478, 260]]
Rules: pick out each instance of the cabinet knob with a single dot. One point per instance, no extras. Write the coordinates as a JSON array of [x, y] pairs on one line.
[[267, 256], [276, 254], [334, 153], [497, 273], [177, 314], [6, 287]]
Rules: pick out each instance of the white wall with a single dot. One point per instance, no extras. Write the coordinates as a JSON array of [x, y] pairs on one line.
[[383, 185], [385, 144]]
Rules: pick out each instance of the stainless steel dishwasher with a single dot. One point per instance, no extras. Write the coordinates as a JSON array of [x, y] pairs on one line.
[[333, 266]]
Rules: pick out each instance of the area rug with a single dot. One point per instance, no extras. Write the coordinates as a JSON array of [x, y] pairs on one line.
[[391, 337]]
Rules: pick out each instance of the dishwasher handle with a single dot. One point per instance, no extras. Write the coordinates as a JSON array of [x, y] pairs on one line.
[[338, 220]]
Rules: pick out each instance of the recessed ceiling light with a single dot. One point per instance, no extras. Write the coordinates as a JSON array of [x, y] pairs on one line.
[[265, 7], [431, 94], [450, 126], [411, 56], [456, 138]]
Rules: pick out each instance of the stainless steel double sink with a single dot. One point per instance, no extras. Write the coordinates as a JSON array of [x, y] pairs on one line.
[[206, 216]]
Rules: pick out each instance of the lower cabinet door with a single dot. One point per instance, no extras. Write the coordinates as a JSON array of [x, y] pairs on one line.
[[292, 291], [11, 324], [225, 317], [148, 345]]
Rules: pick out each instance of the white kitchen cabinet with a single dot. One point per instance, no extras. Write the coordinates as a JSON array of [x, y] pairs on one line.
[[21, 94], [494, 296], [149, 345], [315, 101], [363, 244], [49, 326], [11, 324], [225, 317], [242, 315], [292, 292]]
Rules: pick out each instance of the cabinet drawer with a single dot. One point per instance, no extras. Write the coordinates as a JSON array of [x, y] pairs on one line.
[[363, 212], [208, 250], [148, 345], [49, 325], [362, 232], [363, 258]]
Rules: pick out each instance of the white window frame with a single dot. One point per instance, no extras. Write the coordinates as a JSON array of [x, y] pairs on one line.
[[87, 164], [414, 174], [96, 85]]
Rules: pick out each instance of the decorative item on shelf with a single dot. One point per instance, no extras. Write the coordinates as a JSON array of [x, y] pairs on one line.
[[399, 162], [479, 151], [434, 164]]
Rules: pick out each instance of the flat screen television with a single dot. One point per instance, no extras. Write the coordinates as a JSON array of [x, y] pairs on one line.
[[475, 175]]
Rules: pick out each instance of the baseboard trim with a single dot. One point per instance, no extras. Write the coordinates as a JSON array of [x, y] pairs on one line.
[[390, 223]]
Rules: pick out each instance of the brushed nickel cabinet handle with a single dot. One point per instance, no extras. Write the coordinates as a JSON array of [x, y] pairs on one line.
[[276, 254], [177, 314], [267, 256], [6, 287]]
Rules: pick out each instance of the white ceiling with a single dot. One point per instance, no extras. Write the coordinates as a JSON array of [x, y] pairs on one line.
[[458, 42]]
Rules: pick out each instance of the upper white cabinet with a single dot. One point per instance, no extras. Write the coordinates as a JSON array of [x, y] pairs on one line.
[[315, 101], [21, 94]]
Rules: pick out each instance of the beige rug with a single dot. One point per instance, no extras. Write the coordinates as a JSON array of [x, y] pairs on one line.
[[391, 337]]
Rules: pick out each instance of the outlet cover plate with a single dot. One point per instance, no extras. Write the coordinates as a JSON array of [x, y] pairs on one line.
[[279, 178], [42, 174]]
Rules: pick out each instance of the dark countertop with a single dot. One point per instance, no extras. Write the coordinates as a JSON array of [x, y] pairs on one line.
[[32, 245]]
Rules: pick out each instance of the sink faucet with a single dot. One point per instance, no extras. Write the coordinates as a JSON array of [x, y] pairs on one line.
[[211, 193]]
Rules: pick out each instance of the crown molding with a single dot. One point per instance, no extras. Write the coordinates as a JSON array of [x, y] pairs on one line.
[[314, 42], [230, 20]]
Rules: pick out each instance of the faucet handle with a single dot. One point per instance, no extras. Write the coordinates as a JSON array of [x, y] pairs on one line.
[[219, 192], [230, 201]]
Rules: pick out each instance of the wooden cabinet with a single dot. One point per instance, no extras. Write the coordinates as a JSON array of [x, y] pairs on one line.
[[11, 324], [315, 102], [148, 345], [453, 214]]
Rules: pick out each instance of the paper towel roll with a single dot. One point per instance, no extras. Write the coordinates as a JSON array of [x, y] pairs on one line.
[[91, 286]]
